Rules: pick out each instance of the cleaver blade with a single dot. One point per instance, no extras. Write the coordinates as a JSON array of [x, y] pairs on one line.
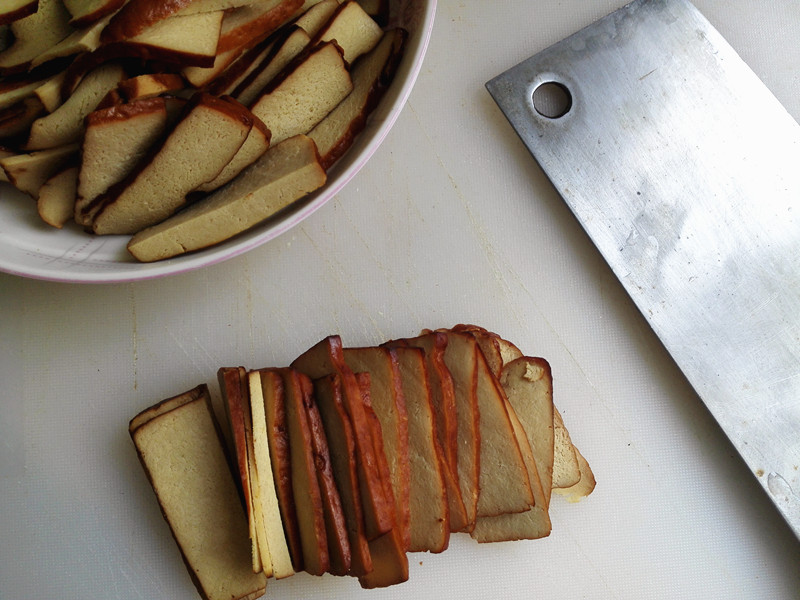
[[684, 170]]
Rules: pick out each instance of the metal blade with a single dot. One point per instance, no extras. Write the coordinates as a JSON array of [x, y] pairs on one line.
[[685, 172]]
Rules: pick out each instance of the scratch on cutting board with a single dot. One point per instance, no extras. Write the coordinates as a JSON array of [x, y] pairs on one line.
[[210, 365], [248, 298], [333, 271], [134, 337], [119, 562], [477, 226]]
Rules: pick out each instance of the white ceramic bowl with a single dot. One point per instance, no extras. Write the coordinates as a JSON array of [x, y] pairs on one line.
[[30, 248]]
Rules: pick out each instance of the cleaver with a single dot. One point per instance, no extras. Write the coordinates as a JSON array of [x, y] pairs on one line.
[[684, 170]]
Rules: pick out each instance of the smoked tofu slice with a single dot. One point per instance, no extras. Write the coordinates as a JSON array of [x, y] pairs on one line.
[[528, 385], [57, 197], [242, 27], [236, 401], [566, 470], [14, 10], [314, 19], [85, 12], [139, 15], [308, 89], [585, 484], [197, 149], [278, 438], [388, 552], [49, 92], [326, 358], [253, 147], [353, 29], [285, 173], [29, 172], [500, 459], [388, 402], [329, 398], [283, 50], [35, 34], [200, 504], [116, 140], [504, 482], [429, 514], [86, 39], [530, 524], [15, 121], [246, 25], [234, 74], [371, 75], [305, 483], [266, 498], [4, 154], [15, 89], [145, 86], [460, 359], [488, 343], [335, 522], [187, 40], [65, 125], [440, 383]]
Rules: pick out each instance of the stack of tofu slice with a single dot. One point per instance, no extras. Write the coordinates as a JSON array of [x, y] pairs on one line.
[[184, 123], [350, 458]]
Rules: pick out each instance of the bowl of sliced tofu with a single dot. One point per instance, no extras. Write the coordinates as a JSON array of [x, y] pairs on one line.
[[140, 139]]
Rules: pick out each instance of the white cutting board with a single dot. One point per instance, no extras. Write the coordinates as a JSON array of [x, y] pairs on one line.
[[448, 223]]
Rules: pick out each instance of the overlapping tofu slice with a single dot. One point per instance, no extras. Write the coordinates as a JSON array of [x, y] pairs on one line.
[[284, 174], [388, 401], [528, 390], [65, 125], [200, 504], [274, 59], [117, 139], [241, 28], [566, 470], [138, 16], [388, 551], [29, 172], [354, 31], [86, 12], [34, 34], [440, 385], [371, 76], [272, 543], [205, 139], [14, 10], [460, 359], [326, 358], [429, 514], [384, 539], [305, 92], [56, 200], [287, 62], [234, 388], [329, 396]]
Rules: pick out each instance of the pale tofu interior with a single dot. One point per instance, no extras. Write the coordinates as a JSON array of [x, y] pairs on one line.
[[196, 151], [116, 140], [285, 173], [309, 93]]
